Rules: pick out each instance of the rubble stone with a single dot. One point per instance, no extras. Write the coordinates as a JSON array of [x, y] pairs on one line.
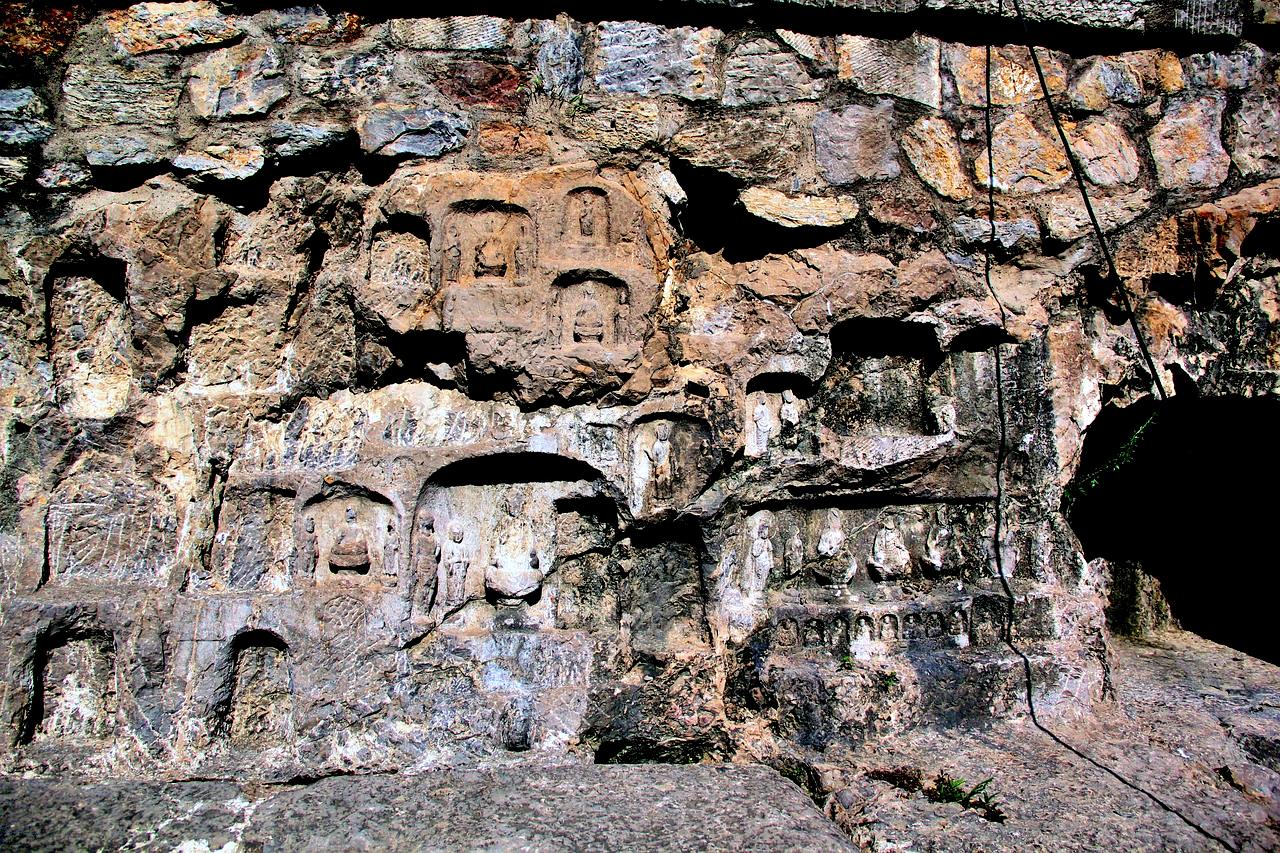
[[761, 72], [1105, 152], [1255, 144], [647, 59], [468, 32], [856, 144], [1186, 144], [1013, 77], [421, 131], [905, 69], [243, 80], [793, 211], [1025, 160], [150, 27], [22, 118], [931, 146]]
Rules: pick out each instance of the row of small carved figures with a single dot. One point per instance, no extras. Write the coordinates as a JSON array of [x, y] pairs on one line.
[[846, 629]]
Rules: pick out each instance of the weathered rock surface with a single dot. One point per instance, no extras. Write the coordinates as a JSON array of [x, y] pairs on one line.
[[385, 396]]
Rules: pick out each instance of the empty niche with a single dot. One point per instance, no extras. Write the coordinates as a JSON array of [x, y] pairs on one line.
[[90, 339], [668, 463], [489, 525], [400, 279], [587, 217], [882, 380], [350, 538], [256, 709], [75, 695], [487, 241], [254, 547], [589, 308]]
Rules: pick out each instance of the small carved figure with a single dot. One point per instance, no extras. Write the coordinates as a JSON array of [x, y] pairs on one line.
[[762, 559], [794, 553], [452, 562], [307, 549], [351, 552], [864, 630], [588, 323], [761, 426], [453, 255], [888, 627], [911, 627], [491, 259], [424, 577], [515, 572], [889, 558], [932, 556], [957, 623], [832, 539], [789, 414], [661, 464]]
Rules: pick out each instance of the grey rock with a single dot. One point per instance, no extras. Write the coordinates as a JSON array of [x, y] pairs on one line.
[[559, 58], [762, 72], [1238, 69], [291, 139], [648, 59], [356, 78], [63, 176], [22, 118], [1255, 145], [129, 150], [423, 131], [1020, 233], [12, 171], [856, 144], [1186, 144], [222, 162]]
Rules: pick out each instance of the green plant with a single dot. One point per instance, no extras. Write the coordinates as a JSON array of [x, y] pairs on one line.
[[846, 661], [948, 789], [536, 88], [886, 680]]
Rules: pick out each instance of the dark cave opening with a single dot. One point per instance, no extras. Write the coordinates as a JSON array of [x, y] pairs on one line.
[[1183, 488]]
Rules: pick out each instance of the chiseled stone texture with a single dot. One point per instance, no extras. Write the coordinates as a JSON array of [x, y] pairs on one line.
[[648, 59], [1255, 144], [905, 69], [857, 144], [468, 32], [762, 72], [1186, 144], [1025, 159], [1013, 77]]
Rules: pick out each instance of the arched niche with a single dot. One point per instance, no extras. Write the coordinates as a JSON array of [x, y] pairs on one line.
[[670, 460], [487, 241], [487, 526], [75, 689], [588, 217], [255, 703], [349, 535], [776, 404], [591, 310]]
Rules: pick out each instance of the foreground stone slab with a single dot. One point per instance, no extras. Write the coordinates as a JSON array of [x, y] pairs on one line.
[[530, 807]]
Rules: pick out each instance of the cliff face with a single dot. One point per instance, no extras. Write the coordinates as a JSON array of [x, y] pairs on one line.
[[379, 394]]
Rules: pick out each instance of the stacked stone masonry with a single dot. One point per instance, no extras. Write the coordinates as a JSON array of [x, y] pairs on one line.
[[380, 394]]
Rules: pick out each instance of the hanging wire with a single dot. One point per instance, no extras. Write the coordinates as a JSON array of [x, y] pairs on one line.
[[1007, 632]]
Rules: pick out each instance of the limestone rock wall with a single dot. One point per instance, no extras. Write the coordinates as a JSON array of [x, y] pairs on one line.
[[383, 393]]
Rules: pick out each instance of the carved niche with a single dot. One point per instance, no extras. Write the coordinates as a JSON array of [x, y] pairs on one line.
[[487, 242], [76, 691], [669, 459], [350, 539], [253, 548], [589, 311], [587, 217]]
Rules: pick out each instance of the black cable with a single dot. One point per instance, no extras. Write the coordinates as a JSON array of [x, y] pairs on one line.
[[1007, 632]]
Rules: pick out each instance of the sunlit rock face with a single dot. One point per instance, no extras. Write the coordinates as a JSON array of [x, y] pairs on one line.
[[381, 395]]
